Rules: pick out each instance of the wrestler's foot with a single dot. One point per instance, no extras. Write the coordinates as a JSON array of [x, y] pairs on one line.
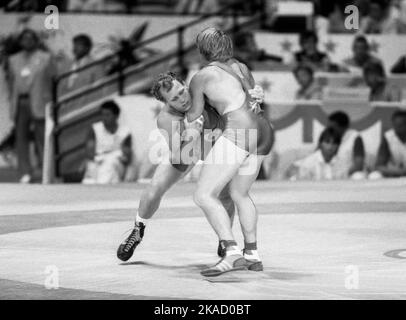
[[126, 249], [221, 249], [253, 260], [229, 263]]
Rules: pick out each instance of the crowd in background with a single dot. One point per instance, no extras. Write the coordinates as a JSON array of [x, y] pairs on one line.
[[31, 68], [377, 16]]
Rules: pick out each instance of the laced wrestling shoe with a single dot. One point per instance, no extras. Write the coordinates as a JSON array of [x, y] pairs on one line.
[[221, 249], [227, 264], [126, 249]]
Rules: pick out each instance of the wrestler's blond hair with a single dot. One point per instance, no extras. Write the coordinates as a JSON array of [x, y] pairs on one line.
[[214, 45]]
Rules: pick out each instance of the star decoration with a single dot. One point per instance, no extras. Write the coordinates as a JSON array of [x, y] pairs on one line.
[[265, 84], [374, 45], [330, 46], [286, 45]]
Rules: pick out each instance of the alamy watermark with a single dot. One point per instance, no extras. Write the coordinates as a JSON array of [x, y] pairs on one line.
[[51, 21], [351, 21], [351, 281], [51, 277], [191, 146]]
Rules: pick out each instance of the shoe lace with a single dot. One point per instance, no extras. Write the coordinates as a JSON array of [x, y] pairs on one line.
[[132, 239]]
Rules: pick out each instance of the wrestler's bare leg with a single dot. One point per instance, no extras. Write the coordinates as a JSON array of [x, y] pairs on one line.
[[164, 178], [220, 166], [218, 170], [239, 190]]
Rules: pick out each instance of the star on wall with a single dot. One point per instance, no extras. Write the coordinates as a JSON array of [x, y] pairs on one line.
[[330, 46], [265, 84], [286, 45]]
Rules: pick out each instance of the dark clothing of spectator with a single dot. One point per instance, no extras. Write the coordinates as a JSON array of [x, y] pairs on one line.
[[30, 78]]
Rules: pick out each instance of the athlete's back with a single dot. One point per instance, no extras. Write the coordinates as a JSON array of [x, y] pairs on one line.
[[223, 91]]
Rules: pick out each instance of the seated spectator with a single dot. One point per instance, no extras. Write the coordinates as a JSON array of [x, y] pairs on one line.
[[381, 19], [309, 89], [321, 164], [391, 158], [375, 79], [309, 54], [197, 6], [336, 16], [351, 153], [246, 50], [86, 5], [109, 148], [399, 66], [361, 55], [81, 48]]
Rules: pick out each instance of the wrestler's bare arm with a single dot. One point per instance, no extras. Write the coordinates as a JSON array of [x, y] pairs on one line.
[[172, 128], [196, 87]]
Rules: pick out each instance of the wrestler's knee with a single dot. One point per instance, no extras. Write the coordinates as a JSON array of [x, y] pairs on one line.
[[238, 195], [202, 196]]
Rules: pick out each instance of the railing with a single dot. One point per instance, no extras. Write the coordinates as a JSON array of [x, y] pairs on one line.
[[120, 77]]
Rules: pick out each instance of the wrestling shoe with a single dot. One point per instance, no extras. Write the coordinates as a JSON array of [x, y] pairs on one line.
[[253, 262], [221, 249], [255, 265], [227, 264], [126, 249]]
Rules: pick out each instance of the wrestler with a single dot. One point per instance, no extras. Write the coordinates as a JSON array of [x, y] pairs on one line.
[[173, 91], [225, 83]]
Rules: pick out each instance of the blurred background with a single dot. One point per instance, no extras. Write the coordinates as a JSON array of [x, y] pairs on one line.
[[333, 72]]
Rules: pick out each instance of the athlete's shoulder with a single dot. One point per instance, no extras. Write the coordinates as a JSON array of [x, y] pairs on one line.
[[206, 73], [166, 118]]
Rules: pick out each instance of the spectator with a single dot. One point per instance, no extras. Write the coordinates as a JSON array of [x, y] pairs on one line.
[[309, 54], [361, 55], [82, 48], [391, 158], [381, 19], [197, 6], [86, 5], [109, 148], [309, 89], [402, 16], [336, 16], [399, 66], [351, 153], [321, 164], [247, 51], [375, 79], [30, 76]]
